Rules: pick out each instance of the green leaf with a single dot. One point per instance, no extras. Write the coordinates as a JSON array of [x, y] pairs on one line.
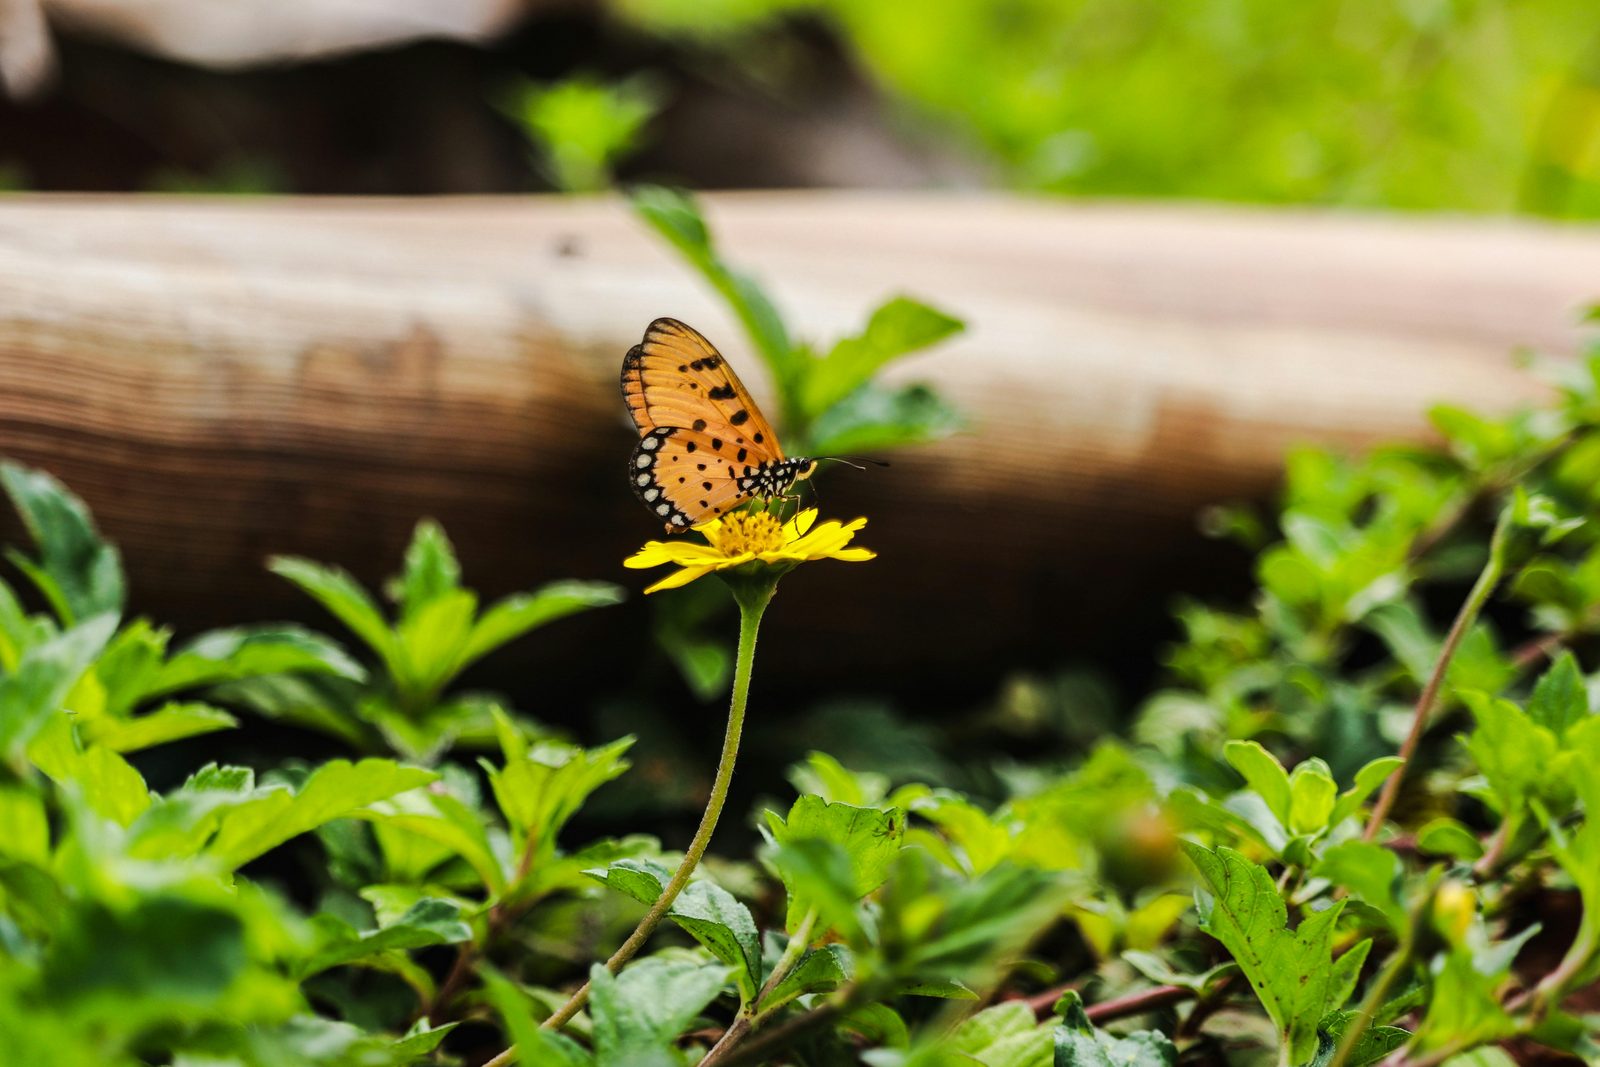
[[1290, 970], [879, 417], [1368, 779], [1263, 773], [1079, 1044], [516, 615], [344, 599], [539, 792], [160, 948], [820, 970], [421, 1040], [427, 922], [1370, 872], [78, 572], [1447, 837], [643, 1010], [868, 837], [536, 1047], [1513, 752], [24, 827], [1312, 793], [1375, 1043], [897, 328], [1560, 699], [36, 689], [430, 570], [675, 216], [705, 910], [1005, 1035], [239, 652], [107, 782], [441, 818], [337, 788], [170, 722], [429, 643]]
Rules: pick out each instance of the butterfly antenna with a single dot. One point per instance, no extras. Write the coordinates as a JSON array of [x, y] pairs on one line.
[[856, 463]]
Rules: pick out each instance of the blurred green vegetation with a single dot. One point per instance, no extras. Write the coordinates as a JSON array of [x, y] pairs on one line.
[[1463, 105]]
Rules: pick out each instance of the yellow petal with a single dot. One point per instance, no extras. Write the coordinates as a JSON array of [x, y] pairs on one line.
[[854, 555], [679, 578], [683, 553], [827, 538], [797, 527]]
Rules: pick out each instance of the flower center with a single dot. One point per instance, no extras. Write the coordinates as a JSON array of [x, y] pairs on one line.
[[750, 531]]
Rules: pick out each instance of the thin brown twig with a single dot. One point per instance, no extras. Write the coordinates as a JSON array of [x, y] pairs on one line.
[[1470, 609]]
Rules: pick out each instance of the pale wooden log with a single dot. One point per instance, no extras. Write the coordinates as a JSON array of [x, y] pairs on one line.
[[227, 378]]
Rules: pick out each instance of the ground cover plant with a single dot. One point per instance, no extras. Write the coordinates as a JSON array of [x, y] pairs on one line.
[[1355, 825]]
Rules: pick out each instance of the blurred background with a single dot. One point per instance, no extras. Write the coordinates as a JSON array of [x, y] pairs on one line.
[[230, 375], [1436, 105]]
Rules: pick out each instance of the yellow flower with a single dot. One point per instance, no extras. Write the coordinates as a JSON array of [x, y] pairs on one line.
[[747, 537]]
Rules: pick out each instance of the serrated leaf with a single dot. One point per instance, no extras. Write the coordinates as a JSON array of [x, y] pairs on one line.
[[240, 652], [80, 573], [1005, 1035], [641, 1011], [427, 922], [335, 789], [1290, 970], [429, 572], [1512, 751], [516, 615], [170, 722], [1079, 1044], [541, 791], [35, 691], [343, 598], [820, 970], [1375, 1043], [1560, 699], [444, 819], [705, 910], [869, 838]]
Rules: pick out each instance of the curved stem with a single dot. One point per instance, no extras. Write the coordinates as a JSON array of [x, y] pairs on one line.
[[1470, 609], [750, 1016], [752, 602]]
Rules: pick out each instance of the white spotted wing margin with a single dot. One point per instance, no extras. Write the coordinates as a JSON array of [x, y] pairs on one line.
[[642, 467]]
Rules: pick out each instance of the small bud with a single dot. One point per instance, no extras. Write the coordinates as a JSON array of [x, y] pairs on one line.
[[1454, 908]]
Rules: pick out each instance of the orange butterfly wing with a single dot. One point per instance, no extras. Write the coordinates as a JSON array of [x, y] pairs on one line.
[[702, 436], [675, 377]]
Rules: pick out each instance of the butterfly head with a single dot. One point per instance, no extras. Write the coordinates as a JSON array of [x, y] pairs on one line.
[[804, 468]]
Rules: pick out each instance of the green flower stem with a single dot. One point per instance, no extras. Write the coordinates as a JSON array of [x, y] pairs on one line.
[[753, 594], [1471, 608]]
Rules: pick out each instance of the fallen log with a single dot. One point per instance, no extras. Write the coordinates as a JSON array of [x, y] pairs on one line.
[[224, 379]]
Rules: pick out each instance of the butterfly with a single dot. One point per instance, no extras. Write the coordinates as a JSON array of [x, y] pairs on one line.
[[704, 447]]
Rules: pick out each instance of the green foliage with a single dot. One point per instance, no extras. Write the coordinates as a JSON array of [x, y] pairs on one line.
[[1466, 107], [437, 633], [351, 911], [828, 403], [1292, 971], [581, 126]]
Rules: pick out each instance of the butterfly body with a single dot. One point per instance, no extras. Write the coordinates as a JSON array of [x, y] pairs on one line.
[[705, 448]]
